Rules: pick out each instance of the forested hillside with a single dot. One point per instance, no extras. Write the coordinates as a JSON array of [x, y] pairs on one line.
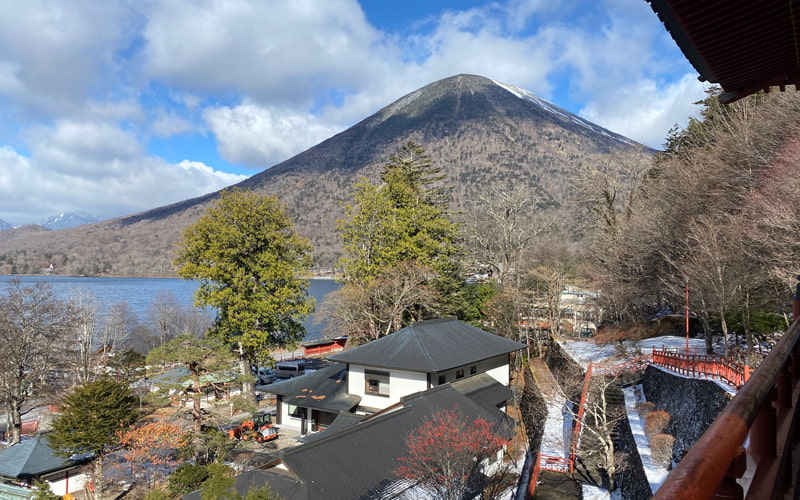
[[719, 211]]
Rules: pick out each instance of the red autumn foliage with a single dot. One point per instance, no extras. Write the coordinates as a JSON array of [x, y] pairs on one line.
[[446, 451], [150, 449]]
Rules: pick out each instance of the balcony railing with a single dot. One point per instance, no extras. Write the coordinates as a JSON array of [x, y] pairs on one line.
[[747, 452]]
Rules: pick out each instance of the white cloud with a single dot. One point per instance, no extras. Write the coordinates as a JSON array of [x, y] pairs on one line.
[[98, 169], [86, 85], [52, 54], [280, 50], [167, 124], [258, 136], [644, 111]]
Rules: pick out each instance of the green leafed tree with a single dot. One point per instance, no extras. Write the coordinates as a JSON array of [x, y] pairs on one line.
[[44, 492], [90, 421], [403, 219], [250, 264], [400, 248]]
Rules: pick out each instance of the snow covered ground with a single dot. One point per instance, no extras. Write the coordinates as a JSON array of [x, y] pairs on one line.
[[584, 352], [656, 474]]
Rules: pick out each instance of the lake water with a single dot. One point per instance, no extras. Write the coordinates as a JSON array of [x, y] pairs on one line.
[[139, 293]]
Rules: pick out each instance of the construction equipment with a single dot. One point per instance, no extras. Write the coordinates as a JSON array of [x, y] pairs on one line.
[[259, 429]]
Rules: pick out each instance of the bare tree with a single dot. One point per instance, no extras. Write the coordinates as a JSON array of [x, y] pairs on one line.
[[84, 357], [119, 324], [163, 316], [603, 410], [33, 327], [502, 224], [403, 293]]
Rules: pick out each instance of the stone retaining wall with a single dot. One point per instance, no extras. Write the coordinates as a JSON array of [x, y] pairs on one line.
[[692, 403]]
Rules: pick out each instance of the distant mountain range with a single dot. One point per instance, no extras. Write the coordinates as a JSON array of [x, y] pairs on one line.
[[481, 132], [60, 221]]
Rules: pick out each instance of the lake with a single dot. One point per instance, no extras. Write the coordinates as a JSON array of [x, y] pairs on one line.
[[140, 292]]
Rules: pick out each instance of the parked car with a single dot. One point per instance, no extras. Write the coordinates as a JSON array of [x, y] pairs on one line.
[[265, 375], [290, 369]]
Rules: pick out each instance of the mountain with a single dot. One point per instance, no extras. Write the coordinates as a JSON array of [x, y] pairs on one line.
[[481, 132], [5, 225], [63, 221]]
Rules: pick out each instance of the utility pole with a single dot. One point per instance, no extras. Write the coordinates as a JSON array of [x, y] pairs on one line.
[[687, 317]]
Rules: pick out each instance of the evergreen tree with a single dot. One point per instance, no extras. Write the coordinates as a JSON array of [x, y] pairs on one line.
[[90, 423], [200, 356], [400, 244], [250, 263], [403, 220]]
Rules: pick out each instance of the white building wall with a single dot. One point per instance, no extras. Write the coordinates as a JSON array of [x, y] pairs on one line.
[[401, 383], [496, 367], [287, 421], [74, 481]]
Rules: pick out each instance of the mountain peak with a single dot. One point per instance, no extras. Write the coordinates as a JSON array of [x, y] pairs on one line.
[[482, 134]]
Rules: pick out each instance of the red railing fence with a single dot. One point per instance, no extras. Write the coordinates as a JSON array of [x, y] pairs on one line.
[[702, 365], [750, 450]]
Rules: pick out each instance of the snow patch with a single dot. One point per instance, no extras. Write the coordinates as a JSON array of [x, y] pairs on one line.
[[552, 108], [656, 474]]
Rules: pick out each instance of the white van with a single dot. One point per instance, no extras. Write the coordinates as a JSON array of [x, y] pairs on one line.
[[290, 369], [265, 375]]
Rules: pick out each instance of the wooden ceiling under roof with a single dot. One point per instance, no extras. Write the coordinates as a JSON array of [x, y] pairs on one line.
[[742, 45]]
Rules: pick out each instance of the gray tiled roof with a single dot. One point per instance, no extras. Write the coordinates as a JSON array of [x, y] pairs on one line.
[[430, 346], [355, 460], [279, 483], [324, 389], [32, 457], [484, 390], [357, 463]]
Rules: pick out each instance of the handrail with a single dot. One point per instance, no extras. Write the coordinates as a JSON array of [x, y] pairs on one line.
[[576, 431], [555, 464], [534, 464], [703, 364], [764, 410]]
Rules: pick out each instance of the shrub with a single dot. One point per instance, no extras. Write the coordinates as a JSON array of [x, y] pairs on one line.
[[187, 478], [157, 495], [661, 448], [645, 407], [655, 423]]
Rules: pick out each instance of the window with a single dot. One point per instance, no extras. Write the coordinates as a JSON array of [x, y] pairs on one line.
[[442, 379], [376, 383], [459, 374], [473, 370], [293, 411]]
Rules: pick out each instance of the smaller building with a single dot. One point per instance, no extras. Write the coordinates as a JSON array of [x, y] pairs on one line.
[[31, 461]]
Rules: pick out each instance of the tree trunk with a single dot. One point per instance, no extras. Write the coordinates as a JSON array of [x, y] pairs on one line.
[[13, 420], [197, 413], [724, 325], [706, 327], [248, 388], [97, 478]]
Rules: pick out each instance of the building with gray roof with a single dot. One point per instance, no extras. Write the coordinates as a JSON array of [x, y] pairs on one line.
[[371, 377], [32, 460]]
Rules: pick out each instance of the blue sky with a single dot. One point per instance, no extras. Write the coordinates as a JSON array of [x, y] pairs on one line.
[[112, 107]]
